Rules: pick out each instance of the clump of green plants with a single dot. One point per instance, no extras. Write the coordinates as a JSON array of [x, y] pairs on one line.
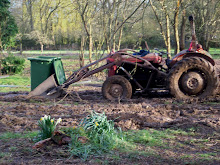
[[100, 134], [47, 127], [12, 64]]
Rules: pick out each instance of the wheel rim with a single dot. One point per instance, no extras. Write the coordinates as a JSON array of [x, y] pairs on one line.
[[116, 90], [192, 83]]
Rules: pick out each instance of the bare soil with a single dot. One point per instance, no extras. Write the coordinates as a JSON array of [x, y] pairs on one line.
[[160, 111]]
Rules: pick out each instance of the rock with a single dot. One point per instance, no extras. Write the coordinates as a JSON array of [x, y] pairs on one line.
[[60, 138], [41, 143]]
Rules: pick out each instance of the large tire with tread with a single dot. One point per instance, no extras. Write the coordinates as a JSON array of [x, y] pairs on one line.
[[193, 77], [116, 87]]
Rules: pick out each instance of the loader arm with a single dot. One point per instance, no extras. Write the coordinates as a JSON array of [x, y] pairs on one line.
[[86, 72], [79, 76]]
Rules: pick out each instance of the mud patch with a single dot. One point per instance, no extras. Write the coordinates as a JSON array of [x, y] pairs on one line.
[[19, 113]]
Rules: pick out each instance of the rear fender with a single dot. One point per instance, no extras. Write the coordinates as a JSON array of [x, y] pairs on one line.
[[185, 54]]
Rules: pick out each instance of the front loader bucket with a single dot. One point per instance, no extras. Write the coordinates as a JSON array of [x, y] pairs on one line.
[[46, 86]]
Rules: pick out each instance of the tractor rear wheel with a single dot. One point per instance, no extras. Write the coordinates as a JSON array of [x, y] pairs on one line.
[[192, 77], [117, 87]]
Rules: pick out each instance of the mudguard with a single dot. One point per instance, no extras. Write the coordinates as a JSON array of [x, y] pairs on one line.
[[185, 53]]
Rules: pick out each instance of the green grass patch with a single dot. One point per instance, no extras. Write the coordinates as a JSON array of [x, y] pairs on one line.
[[211, 103], [16, 83], [14, 89], [190, 132], [207, 155], [196, 141], [12, 135], [151, 137], [15, 80]]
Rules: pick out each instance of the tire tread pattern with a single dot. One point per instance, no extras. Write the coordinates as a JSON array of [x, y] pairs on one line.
[[190, 63], [117, 79]]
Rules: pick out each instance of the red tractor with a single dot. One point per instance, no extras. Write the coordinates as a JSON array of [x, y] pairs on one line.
[[189, 74]]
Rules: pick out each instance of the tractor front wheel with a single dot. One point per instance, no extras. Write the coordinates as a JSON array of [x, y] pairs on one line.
[[192, 78], [117, 87]]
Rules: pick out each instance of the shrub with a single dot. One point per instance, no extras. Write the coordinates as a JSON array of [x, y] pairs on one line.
[[12, 64]]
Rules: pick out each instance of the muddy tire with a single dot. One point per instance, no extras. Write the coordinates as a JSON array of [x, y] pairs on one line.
[[117, 87], [193, 77]]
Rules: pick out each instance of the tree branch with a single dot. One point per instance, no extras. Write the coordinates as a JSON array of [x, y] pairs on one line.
[[127, 18]]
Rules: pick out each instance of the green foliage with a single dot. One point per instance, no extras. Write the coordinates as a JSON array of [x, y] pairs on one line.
[[39, 37], [12, 64], [12, 135], [47, 127], [9, 31], [19, 80], [8, 27], [99, 129], [147, 137], [4, 5], [101, 134]]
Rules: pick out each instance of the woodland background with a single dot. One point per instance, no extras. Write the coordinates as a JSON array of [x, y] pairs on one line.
[[96, 25]]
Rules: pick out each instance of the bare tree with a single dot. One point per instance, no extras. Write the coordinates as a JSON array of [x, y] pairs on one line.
[[165, 31], [40, 38], [207, 15], [87, 10], [182, 33], [176, 25]]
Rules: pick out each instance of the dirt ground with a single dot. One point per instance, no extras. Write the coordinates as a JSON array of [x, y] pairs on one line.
[[19, 113]]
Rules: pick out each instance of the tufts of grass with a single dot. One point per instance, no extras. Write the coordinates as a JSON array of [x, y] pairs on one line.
[[198, 158], [16, 80], [196, 141], [180, 132], [12, 135], [4, 154], [149, 137], [14, 89], [207, 155], [99, 134]]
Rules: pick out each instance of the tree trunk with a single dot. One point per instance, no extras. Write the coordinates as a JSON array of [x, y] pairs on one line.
[[90, 43], [113, 46], [183, 33], [21, 50], [81, 55], [29, 7], [0, 50], [0, 40], [120, 37], [176, 23], [168, 36], [207, 30], [42, 47]]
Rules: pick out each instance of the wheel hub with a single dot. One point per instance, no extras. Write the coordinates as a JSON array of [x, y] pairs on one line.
[[116, 90], [192, 83]]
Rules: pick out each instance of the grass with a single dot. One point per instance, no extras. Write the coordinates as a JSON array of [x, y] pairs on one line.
[[136, 145], [16, 80], [148, 137], [12, 135], [190, 132], [19, 82], [4, 154], [214, 51]]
